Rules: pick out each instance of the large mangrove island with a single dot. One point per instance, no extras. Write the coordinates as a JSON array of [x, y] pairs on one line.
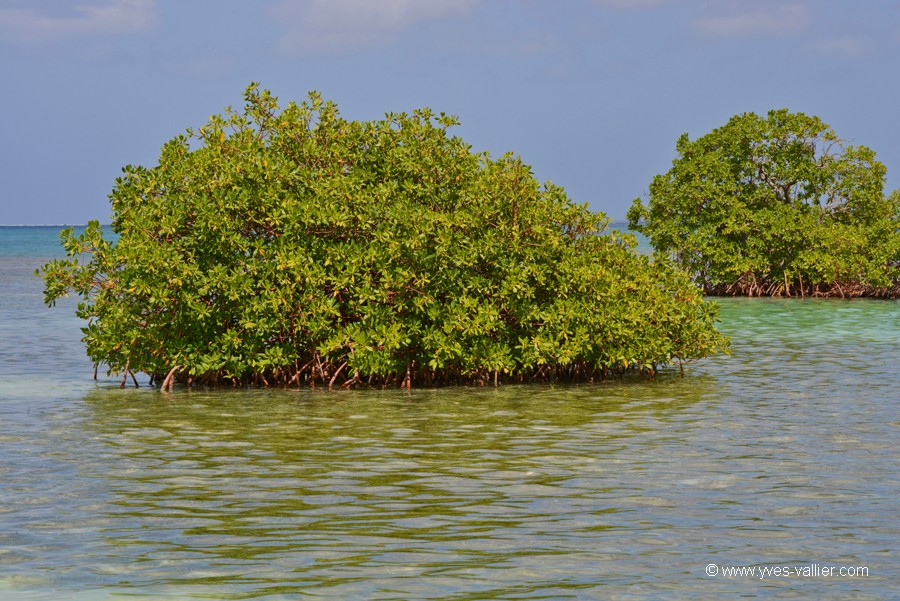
[[293, 247]]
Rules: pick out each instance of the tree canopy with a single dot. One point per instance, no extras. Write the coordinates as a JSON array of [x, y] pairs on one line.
[[294, 247], [776, 205]]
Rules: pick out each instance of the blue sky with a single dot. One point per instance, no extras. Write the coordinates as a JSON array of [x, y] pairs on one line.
[[592, 93]]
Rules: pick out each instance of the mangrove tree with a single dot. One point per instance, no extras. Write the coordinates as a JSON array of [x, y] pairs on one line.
[[294, 247], [776, 205]]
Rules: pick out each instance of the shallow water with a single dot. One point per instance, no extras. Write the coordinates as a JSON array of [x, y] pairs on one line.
[[784, 454]]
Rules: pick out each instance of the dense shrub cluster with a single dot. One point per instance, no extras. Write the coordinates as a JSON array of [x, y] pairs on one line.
[[295, 247], [776, 205]]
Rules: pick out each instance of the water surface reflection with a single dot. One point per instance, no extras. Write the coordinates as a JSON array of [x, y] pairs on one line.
[[357, 494]]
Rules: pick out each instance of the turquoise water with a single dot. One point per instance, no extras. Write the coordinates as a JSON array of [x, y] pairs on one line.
[[784, 454]]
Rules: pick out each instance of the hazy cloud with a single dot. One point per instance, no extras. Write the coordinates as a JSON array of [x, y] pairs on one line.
[[316, 26], [630, 4], [844, 46], [27, 24], [766, 20]]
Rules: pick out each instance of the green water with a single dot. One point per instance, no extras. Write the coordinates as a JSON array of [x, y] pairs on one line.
[[783, 454]]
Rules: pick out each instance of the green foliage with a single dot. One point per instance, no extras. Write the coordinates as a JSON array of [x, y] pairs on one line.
[[297, 247], [776, 205]]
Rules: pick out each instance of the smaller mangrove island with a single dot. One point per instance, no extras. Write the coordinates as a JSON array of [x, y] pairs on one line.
[[776, 206]]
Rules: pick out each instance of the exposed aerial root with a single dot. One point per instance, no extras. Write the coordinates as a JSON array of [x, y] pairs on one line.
[[322, 373]]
